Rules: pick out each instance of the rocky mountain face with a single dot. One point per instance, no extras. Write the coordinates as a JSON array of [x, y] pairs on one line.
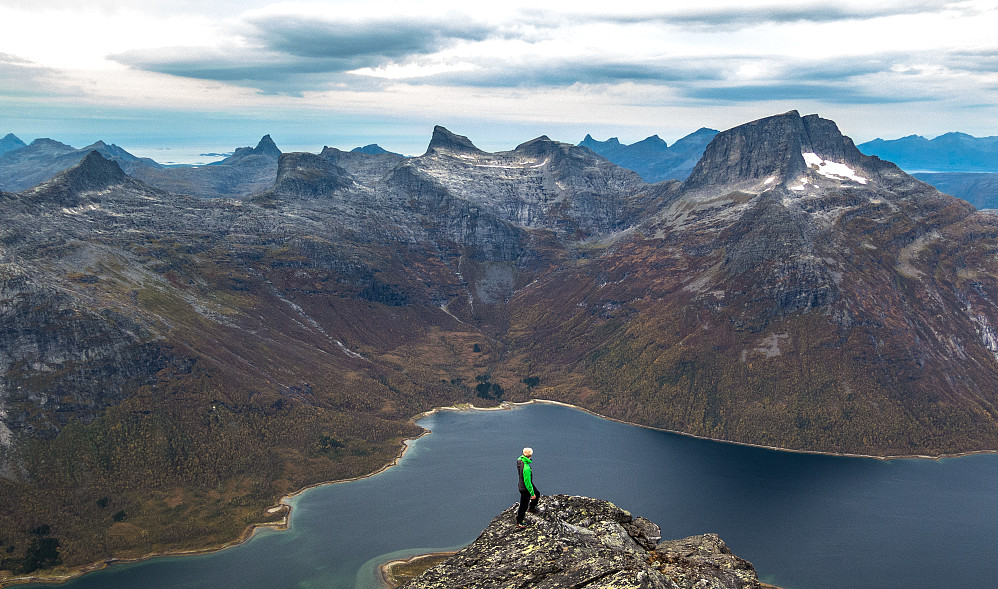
[[366, 166], [541, 184], [796, 293], [652, 158], [950, 152], [171, 364], [583, 542]]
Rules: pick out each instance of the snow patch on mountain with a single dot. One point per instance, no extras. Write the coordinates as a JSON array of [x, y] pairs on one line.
[[830, 169]]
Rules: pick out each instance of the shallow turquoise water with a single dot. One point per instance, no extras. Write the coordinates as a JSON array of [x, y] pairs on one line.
[[805, 521]]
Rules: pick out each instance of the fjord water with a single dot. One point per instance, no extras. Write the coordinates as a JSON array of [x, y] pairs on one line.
[[805, 521]]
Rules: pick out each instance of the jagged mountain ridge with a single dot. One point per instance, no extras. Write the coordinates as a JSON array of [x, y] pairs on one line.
[[807, 297], [539, 184], [652, 158]]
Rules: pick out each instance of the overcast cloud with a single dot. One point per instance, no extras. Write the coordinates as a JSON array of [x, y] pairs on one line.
[[637, 64]]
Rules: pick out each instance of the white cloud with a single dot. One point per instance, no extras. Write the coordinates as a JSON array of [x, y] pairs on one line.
[[594, 63]]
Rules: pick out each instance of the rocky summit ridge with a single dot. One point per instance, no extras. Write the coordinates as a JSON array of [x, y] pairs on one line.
[[582, 542]]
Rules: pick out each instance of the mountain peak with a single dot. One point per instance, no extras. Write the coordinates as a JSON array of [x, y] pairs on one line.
[[445, 140], [653, 141], [266, 146], [10, 142], [370, 149], [541, 146], [93, 173], [772, 149]]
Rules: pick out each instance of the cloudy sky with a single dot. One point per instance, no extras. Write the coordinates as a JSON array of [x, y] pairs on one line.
[[217, 74]]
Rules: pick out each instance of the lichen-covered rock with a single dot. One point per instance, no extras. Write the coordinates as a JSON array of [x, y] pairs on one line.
[[703, 559], [583, 542]]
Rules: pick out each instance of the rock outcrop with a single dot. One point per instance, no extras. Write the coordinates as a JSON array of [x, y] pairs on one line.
[[542, 184], [307, 176], [583, 542], [444, 140]]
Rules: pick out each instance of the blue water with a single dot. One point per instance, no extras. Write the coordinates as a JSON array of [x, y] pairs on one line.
[[804, 521]]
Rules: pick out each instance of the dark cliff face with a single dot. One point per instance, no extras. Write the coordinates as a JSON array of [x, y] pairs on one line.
[[444, 140], [307, 176], [541, 184], [754, 151], [582, 542]]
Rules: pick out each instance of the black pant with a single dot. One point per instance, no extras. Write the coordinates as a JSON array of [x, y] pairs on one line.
[[525, 499]]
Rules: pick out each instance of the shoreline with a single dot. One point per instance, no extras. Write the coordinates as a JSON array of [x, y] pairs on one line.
[[385, 569], [285, 522], [751, 445]]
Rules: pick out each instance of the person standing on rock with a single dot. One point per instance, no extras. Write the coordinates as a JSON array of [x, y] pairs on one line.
[[528, 491]]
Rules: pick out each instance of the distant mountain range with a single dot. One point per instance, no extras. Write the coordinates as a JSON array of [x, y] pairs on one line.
[[29, 165], [652, 158], [963, 165], [951, 152], [247, 171], [956, 163]]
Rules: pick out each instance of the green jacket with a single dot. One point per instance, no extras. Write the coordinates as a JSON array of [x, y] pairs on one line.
[[526, 482]]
